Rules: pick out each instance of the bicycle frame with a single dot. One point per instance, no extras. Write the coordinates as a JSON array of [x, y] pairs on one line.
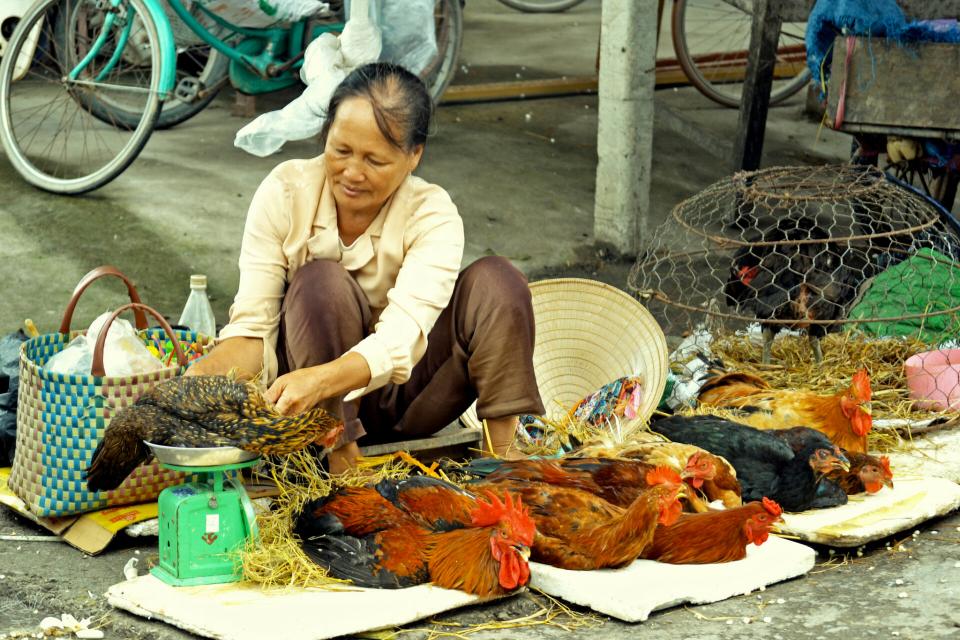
[[255, 59], [168, 49], [274, 38]]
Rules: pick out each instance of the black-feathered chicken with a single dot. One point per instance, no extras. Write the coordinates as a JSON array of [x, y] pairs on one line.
[[766, 465], [202, 411], [829, 493], [792, 272]]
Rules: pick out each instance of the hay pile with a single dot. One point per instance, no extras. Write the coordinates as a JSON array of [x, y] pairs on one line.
[[843, 354], [278, 561]]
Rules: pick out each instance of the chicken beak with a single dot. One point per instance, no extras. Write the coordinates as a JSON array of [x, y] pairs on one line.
[[841, 460], [776, 527], [523, 550]]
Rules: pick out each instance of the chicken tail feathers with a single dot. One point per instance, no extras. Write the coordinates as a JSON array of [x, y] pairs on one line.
[[355, 559], [482, 467]]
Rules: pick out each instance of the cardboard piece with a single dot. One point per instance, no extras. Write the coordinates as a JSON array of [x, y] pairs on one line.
[[89, 532], [243, 611], [870, 517], [92, 532], [633, 592]]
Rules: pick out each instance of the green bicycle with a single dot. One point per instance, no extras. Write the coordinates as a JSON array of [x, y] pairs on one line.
[[83, 83]]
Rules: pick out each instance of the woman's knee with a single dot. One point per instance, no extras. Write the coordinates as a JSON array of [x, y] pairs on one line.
[[496, 278], [320, 284], [494, 289]]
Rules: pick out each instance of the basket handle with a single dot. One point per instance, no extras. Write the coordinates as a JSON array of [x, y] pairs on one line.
[[106, 270], [97, 367]]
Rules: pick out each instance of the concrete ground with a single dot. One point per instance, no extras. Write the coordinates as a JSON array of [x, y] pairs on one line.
[[523, 176]]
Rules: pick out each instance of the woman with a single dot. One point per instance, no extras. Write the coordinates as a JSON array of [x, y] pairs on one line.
[[350, 296]]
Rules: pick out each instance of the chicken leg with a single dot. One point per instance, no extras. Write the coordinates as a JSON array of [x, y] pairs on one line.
[[768, 335], [815, 346]]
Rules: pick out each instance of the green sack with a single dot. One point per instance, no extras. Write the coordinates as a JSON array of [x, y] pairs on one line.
[[925, 283]]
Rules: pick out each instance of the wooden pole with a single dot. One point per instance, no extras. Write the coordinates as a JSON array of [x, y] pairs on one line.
[[757, 84]]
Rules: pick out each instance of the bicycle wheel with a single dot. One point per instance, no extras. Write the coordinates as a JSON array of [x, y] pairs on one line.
[[448, 18], [47, 124], [712, 38], [200, 71], [543, 6]]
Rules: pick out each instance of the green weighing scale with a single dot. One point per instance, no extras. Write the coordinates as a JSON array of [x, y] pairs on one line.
[[204, 523]]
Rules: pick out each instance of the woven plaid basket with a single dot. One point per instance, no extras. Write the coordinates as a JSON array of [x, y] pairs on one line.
[[62, 418]]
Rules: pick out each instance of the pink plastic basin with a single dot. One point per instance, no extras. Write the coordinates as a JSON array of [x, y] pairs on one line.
[[933, 379]]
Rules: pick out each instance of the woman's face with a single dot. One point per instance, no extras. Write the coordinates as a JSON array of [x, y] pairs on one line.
[[361, 164]]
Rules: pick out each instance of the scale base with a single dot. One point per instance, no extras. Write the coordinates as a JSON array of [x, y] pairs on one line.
[[172, 580]]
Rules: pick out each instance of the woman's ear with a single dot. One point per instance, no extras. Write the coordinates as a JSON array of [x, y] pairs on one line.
[[415, 156]]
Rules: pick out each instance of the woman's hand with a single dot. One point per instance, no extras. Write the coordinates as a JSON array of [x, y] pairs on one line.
[[245, 354], [298, 391], [301, 390]]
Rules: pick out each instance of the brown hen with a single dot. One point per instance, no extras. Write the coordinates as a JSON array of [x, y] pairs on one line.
[[202, 411], [654, 450]]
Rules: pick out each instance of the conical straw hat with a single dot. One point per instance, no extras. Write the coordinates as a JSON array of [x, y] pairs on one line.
[[589, 334]]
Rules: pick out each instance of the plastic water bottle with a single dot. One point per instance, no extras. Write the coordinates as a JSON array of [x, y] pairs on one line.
[[197, 313]]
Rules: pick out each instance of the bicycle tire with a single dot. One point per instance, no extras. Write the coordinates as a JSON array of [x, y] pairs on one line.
[[439, 74], [550, 6], [713, 90], [45, 177], [214, 69], [175, 111]]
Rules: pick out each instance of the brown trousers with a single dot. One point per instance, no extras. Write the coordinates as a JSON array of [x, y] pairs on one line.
[[481, 348]]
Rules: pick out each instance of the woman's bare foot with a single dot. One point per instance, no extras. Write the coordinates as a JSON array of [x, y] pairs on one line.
[[343, 459], [499, 439]]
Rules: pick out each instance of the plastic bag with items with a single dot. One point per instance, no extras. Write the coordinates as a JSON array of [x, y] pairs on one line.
[[124, 352]]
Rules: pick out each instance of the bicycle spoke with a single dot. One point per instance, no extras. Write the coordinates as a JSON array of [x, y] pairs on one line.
[[50, 106], [74, 135]]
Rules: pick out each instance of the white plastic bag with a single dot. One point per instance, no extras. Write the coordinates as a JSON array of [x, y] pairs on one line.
[[327, 61], [409, 33], [124, 353], [74, 360], [263, 13]]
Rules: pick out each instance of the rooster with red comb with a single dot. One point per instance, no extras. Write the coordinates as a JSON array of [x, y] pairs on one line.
[[579, 530], [400, 533], [715, 536], [844, 417]]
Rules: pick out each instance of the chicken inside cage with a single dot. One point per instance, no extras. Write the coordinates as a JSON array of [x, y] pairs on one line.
[[813, 249]]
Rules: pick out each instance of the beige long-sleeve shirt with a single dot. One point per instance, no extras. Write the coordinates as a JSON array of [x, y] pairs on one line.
[[406, 262]]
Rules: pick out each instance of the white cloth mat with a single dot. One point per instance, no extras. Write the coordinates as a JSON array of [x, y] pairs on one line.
[[633, 592], [243, 611]]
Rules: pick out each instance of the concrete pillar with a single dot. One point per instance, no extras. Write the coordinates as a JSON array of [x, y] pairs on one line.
[[628, 54]]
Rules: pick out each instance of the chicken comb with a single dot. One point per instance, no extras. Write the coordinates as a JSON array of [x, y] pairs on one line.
[[663, 475], [772, 507], [694, 460], [513, 515], [861, 385], [885, 463]]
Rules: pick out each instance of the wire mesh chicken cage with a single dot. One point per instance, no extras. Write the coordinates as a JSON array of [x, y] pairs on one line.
[[829, 249]]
